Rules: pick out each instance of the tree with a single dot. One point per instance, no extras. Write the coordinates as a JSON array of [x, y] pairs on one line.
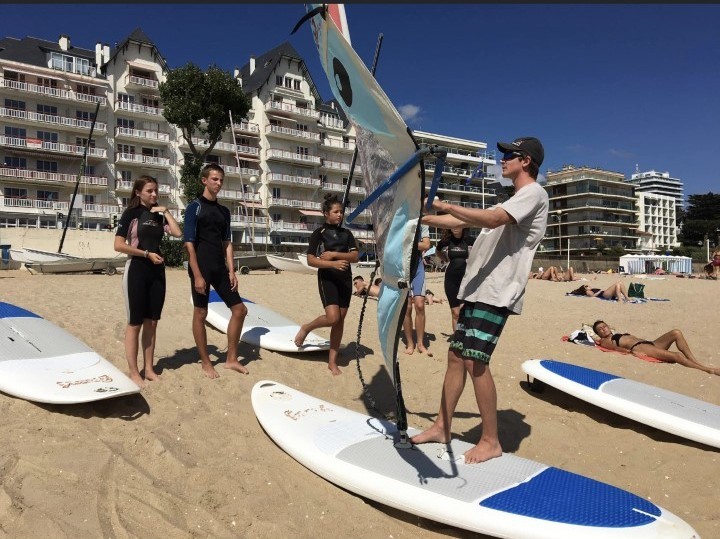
[[197, 103], [702, 219]]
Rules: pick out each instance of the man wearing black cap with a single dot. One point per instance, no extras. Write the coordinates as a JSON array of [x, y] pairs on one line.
[[492, 289]]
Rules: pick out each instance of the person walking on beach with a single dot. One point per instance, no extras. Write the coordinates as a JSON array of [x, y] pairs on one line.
[[140, 230], [416, 300], [332, 249], [454, 248], [659, 348], [210, 262], [492, 289]]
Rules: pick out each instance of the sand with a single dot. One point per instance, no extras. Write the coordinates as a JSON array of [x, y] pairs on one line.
[[187, 458]]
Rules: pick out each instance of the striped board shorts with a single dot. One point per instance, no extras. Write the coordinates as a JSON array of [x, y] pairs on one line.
[[478, 330]]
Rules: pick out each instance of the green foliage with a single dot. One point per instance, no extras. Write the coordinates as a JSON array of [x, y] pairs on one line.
[[701, 220], [198, 103], [616, 250], [173, 251]]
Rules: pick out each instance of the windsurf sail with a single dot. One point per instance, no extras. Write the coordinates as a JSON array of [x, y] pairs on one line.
[[393, 174]]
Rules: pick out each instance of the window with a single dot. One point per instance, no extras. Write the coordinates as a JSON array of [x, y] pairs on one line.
[[14, 192], [47, 136], [124, 122], [47, 166], [278, 80], [89, 170], [14, 76], [84, 115], [64, 62], [358, 183], [47, 109], [16, 162], [14, 104], [276, 192], [151, 152], [126, 175], [301, 150], [79, 141], [301, 127], [125, 148], [296, 85], [47, 83], [125, 98], [277, 217], [85, 89], [212, 159], [89, 199], [288, 82], [301, 105], [274, 122], [17, 132], [151, 102], [47, 195]]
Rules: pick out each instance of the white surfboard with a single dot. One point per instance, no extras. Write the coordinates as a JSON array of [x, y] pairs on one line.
[[263, 327], [42, 362], [665, 410], [508, 497]]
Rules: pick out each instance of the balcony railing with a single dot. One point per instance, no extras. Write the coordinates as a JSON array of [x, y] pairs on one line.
[[286, 107], [247, 127], [33, 204], [141, 81], [294, 203], [293, 226], [134, 107], [296, 180], [52, 92], [51, 177], [50, 119], [226, 146], [241, 171], [335, 165], [126, 185], [142, 133], [279, 130], [55, 147], [248, 220], [339, 144], [293, 156], [143, 159], [236, 194], [341, 188], [332, 123]]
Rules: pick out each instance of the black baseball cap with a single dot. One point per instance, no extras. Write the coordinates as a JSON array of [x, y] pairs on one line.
[[529, 145]]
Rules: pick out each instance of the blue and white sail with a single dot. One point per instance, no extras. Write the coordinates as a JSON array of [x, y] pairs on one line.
[[384, 146]]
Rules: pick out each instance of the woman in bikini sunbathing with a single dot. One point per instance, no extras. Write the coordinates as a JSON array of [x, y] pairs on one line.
[[659, 348], [616, 291]]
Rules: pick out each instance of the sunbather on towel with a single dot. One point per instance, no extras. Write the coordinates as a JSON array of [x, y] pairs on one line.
[[659, 348], [616, 291]]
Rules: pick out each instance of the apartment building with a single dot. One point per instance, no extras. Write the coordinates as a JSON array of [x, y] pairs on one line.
[[657, 224], [279, 161], [590, 208], [659, 183]]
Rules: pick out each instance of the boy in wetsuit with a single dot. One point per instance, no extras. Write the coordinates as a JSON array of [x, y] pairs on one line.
[[210, 262]]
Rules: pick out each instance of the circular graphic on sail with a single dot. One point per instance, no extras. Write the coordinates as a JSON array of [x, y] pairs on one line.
[[342, 82]]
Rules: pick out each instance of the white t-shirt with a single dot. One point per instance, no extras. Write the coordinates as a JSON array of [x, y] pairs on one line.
[[501, 258]]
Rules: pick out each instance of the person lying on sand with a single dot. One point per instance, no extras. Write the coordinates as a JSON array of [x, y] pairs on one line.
[[617, 291]]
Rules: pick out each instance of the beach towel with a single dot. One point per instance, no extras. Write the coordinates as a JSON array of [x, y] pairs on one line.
[[630, 300]]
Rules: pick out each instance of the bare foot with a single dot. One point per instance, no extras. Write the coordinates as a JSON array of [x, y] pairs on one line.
[[424, 350], [483, 451], [137, 379], [235, 365], [210, 371], [409, 350], [334, 369], [300, 337], [152, 375], [433, 434]]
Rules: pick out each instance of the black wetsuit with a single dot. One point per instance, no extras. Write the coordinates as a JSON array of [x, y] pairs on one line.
[[458, 250], [207, 227], [143, 282], [335, 286]]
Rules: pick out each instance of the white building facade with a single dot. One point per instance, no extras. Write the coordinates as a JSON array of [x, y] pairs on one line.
[[657, 223]]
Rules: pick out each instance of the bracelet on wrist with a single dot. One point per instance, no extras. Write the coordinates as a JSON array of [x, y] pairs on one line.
[[147, 253]]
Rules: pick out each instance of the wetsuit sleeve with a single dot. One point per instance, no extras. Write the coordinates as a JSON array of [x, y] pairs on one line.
[[123, 228], [315, 239], [351, 243], [226, 213], [190, 228]]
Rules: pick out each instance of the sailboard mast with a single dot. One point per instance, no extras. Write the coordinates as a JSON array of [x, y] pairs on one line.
[[242, 187], [79, 176]]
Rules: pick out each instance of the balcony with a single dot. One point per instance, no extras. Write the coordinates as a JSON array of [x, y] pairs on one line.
[[291, 226], [53, 147], [125, 185], [302, 181], [99, 210], [32, 205], [48, 91], [338, 144], [139, 159], [126, 132], [293, 157], [225, 146], [240, 196], [134, 108], [294, 203], [58, 121], [291, 110], [335, 165], [340, 188], [132, 80], [240, 171], [331, 123], [248, 220], [293, 134], [52, 178], [247, 127]]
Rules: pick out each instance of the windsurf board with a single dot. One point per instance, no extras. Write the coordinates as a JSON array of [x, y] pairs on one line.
[[665, 410], [508, 497], [263, 327], [42, 362]]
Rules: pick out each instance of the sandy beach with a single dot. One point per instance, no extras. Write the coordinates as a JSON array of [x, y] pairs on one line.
[[187, 458]]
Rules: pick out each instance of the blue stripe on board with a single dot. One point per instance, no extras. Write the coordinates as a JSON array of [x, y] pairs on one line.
[[214, 297], [559, 496], [581, 375], [8, 310]]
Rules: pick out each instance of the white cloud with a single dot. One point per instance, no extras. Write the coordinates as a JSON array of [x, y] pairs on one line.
[[621, 153], [410, 113]]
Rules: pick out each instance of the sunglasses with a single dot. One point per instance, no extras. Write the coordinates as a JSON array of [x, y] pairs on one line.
[[509, 156]]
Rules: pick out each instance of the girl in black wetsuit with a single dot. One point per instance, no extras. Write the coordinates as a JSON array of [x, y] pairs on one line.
[[454, 247], [140, 230], [332, 249]]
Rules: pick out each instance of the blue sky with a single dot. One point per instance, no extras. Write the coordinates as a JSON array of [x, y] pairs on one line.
[[608, 86]]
